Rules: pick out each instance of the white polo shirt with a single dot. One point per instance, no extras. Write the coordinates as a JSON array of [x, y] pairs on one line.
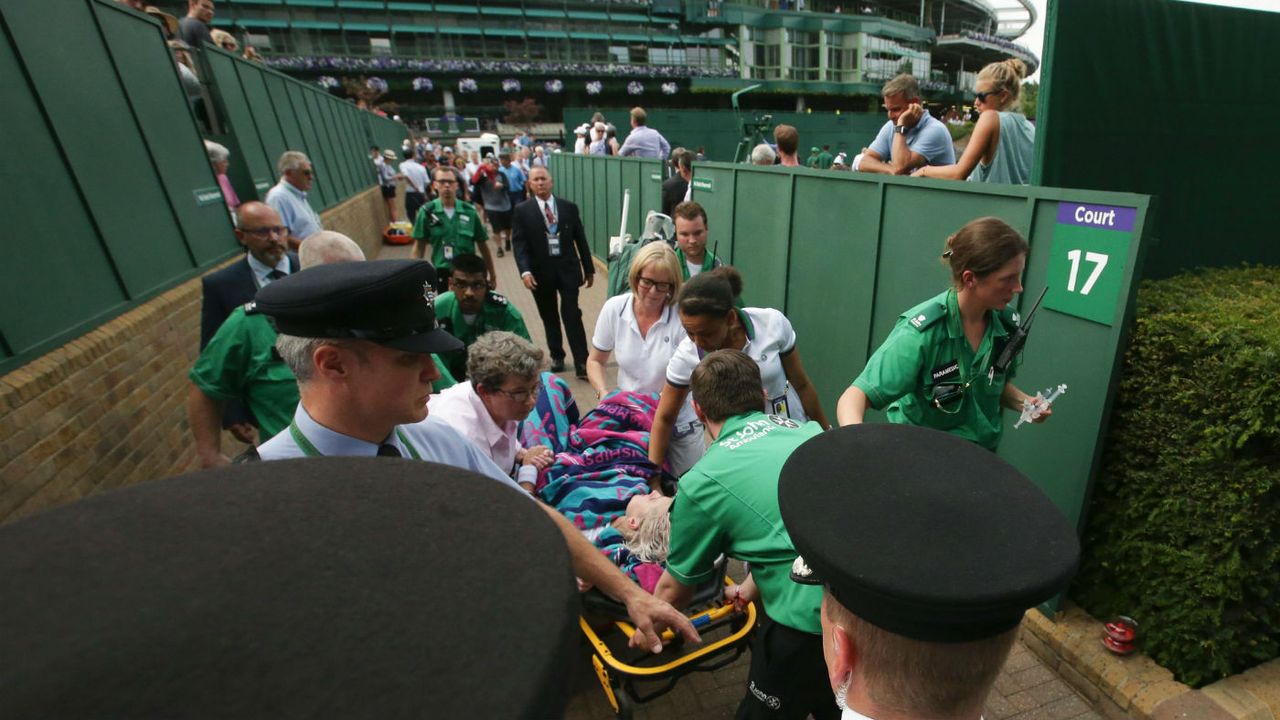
[[642, 361], [770, 337]]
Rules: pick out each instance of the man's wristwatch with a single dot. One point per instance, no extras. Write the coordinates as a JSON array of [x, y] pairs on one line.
[[901, 129]]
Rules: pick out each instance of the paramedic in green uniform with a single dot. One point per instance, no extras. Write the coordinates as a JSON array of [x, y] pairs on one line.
[[450, 227], [728, 503], [470, 309], [935, 368]]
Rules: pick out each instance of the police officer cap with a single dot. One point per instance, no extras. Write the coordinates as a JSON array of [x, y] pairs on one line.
[[389, 302], [922, 533], [326, 587]]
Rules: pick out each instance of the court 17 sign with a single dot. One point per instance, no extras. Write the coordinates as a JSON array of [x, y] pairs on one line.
[[1090, 248]]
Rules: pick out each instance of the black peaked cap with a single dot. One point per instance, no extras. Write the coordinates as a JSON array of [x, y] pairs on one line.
[[327, 587], [389, 302], [922, 533]]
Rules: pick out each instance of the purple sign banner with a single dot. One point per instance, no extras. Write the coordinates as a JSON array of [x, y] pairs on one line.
[[1103, 217]]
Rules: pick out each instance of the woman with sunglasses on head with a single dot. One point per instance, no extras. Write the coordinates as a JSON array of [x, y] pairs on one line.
[[936, 367], [713, 322], [1002, 145]]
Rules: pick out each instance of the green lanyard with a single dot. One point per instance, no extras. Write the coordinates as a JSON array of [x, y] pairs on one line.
[[310, 450]]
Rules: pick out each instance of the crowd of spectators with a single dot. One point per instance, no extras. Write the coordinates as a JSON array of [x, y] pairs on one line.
[[317, 63]]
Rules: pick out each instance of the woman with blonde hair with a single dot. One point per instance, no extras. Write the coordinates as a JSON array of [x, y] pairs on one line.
[[1003, 141]]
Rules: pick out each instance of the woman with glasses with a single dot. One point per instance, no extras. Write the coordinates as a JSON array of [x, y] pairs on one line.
[[713, 322], [1003, 141], [936, 367], [503, 387]]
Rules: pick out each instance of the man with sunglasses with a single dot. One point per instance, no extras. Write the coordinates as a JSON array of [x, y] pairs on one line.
[[471, 309], [289, 197], [912, 138]]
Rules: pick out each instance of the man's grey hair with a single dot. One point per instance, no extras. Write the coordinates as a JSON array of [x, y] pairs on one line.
[[762, 154], [681, 158], [327, 246], [297, 353], [217, 153], [499, 354], [291, 160], [905, 85]]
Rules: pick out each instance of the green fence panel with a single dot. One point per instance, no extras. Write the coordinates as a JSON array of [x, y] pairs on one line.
[[44, 295], [108, 156], [1176, 61], [356, 149], [263, 113], [320, 136], [762, 222], [179, 157], [234, 107], [613, 204], [321, 194], [714, 189], [651, 179]]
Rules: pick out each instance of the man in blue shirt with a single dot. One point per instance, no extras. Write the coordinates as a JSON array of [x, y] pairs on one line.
[[359, 338], [644, 141], [911, 139], [289, 197]]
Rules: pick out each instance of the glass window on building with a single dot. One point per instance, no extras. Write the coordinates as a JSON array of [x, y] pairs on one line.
[[668, 56], [380, 46], [619, 54], [260, 41]]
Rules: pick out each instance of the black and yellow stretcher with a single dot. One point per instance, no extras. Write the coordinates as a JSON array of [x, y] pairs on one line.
[[632, 676]]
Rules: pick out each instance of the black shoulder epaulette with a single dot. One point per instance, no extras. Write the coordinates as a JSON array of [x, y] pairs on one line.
[[251, 308], [1010, 318], [496, 298]]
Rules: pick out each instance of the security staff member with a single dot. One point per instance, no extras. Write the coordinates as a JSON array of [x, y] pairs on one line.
[[450, 227], [470, 309], [728, 503], [926, 579], [359, 338], [935, 368]]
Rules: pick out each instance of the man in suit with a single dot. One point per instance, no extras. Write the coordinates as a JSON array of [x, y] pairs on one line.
[[551, 251], [262, 233], [675, 189]]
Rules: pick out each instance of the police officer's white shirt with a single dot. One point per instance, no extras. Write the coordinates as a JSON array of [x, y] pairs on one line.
[[262, 271], [417, 175], [774, 337], [851, 714], [432, 438], [642, 361]]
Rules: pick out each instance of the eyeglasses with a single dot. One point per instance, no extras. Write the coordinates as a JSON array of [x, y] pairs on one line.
[[984, 95], [446, 182], [265, 231], [521, 396], [481, 286], [648, 284]]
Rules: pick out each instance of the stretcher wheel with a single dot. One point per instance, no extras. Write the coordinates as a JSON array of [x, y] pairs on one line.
[[625, 705]]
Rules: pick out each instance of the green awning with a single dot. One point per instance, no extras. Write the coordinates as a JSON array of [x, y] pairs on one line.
[[365, 27], [455, 30], [413, 28], [587, 15], [466, 9], [315, 25], [538, 12], [255, 2], [411, 7], [557, 34], [310, 3], [362, 4], [588, 36], [504, 32], [628, 17], [262, 23], [668, 39], [630, 37], [500, 11]]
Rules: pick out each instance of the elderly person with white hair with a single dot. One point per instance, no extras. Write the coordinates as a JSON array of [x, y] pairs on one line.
[[220, 159], [762, 154], [487, 409], [289, 197]]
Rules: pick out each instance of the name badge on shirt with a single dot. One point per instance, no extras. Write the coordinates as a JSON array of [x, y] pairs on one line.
[[464, 219], [553, 240], [780, 406], [448, 252]]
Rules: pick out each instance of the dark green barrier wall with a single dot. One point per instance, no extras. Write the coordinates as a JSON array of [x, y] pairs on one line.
[[108, 197], [717, 130], [845, 254], [1171, 99]]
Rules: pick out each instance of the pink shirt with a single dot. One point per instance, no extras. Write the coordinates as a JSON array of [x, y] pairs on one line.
[[463, 409], [228, 192]]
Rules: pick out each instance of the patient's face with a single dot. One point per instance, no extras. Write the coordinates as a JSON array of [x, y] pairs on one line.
[[639, 505]]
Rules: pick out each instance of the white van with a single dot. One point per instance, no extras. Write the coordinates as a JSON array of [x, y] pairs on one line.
[[486, 144]]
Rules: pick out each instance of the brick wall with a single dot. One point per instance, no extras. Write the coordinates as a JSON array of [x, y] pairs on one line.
[[109, 408]]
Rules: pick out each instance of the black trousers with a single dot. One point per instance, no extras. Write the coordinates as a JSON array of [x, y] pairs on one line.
[[544, 296], [412, 202], [788, 677]]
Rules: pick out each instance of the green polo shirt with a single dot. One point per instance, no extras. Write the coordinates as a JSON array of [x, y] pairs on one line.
[[728, 503], [927, 347], [240, 362], [452, 236], [497, 313]]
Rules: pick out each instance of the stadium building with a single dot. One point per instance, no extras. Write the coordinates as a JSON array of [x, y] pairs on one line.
[[440, 59]]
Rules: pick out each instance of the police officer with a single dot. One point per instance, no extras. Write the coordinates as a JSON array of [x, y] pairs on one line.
[[450, 227], [936, 367], [470, 309], [359, 338], [728, 503], [926, 579]]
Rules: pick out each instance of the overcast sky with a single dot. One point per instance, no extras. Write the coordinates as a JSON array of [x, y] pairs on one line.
[[1034, 39]]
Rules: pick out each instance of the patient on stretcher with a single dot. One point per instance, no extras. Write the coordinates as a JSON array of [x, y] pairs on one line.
[[600, 477]]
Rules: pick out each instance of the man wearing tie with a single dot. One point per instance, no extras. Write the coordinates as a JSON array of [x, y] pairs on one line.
[[551, 251]]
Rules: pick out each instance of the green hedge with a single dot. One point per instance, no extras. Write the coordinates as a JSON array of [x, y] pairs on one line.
[[1183, 523]]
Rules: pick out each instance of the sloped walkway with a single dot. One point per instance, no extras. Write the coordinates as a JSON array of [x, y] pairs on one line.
[[1026, 689]]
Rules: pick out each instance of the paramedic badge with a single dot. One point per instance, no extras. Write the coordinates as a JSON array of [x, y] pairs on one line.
[[783, 422]]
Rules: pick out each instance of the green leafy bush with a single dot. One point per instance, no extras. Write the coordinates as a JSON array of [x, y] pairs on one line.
[[961, 131], [1184, 519]]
